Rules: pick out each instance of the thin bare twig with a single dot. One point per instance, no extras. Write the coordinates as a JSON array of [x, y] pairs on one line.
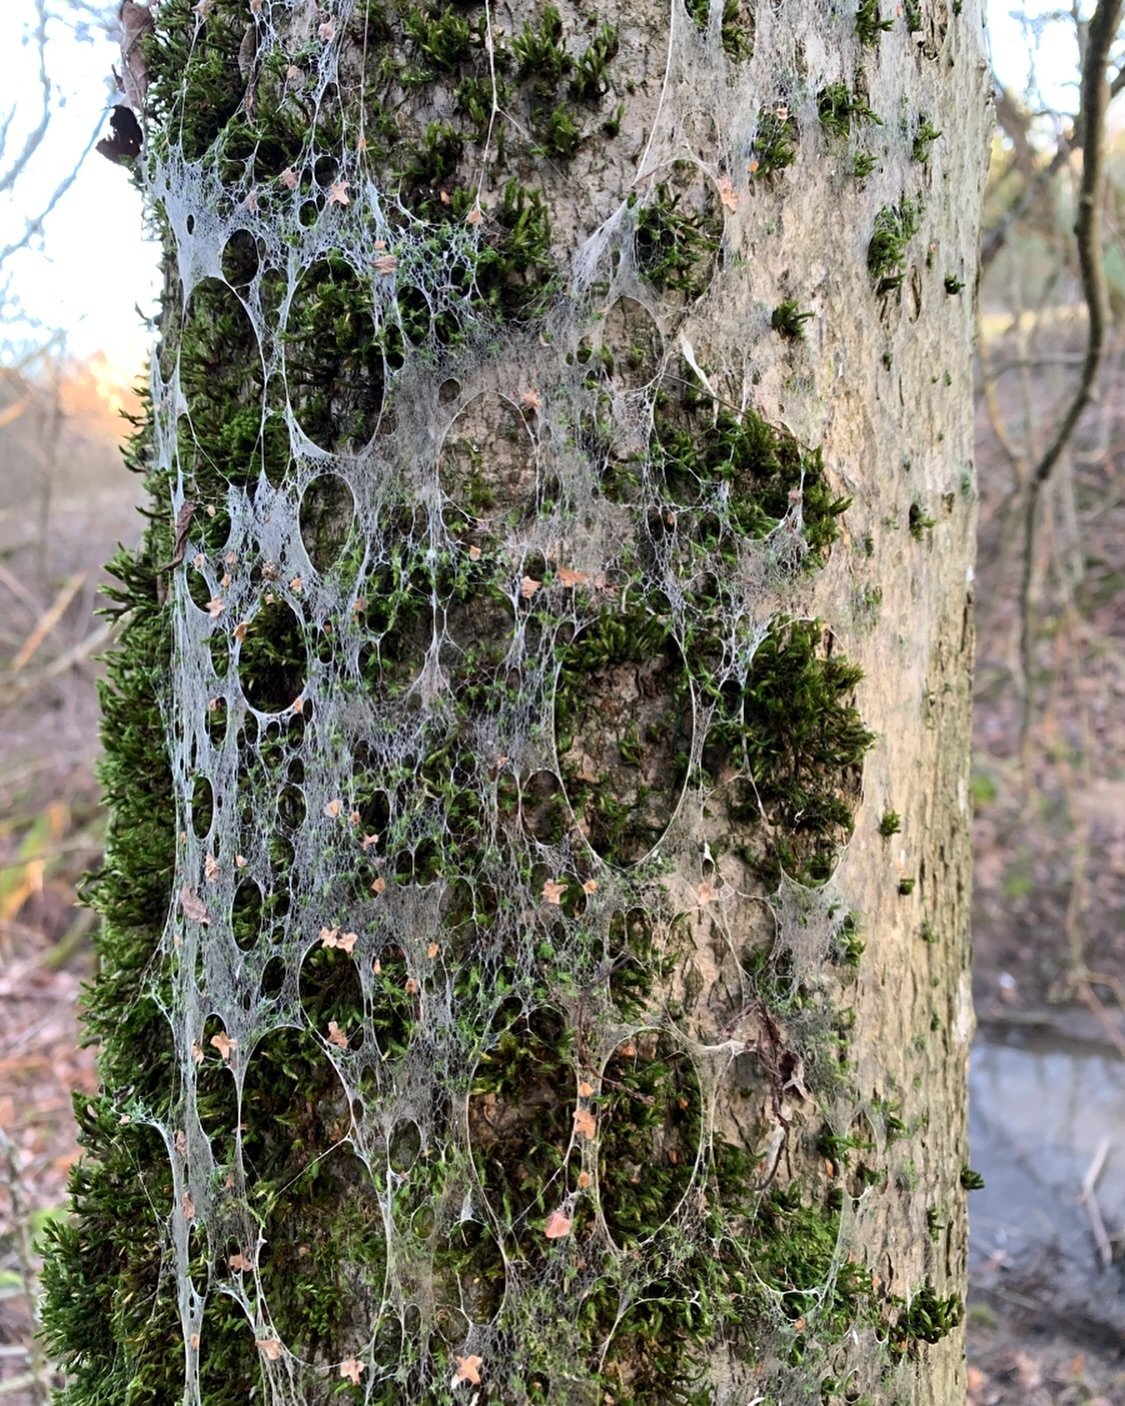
[[1088, 1198]]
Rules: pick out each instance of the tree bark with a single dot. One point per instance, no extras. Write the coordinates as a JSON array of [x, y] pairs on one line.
[[535, 958]]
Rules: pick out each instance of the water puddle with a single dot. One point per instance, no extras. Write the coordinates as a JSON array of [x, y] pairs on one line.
[[1041, 1106]]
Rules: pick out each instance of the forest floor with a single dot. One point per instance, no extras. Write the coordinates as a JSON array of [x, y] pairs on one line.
[[1049, 839]]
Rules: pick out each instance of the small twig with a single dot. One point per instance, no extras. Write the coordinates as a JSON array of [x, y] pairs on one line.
[[1088, 1198], [48, 620]]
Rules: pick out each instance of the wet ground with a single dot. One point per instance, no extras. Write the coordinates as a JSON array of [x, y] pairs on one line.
[[1047, 1132]]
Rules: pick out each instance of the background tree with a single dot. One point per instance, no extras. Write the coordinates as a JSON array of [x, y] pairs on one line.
[[561, 545]]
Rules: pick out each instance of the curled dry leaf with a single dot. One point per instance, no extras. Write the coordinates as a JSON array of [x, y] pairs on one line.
[[189, 1206], [566, 577], [727, 194], [333, 808], [366, 843], [215, 607], [210, 868], [553, 891], [289, 178], [557, 1225], [585, 1088], [269, 1347], [590, 886], [347, 940], [336, 1036], [328, 936], [474, 553], [528, 586], [530, 399], [352, 1368], [468, 1369], [432, 951], [224, 1044], [585, 1124], [379, 885], [386, 263], [240, 630], [193, 906], [240, 1263]]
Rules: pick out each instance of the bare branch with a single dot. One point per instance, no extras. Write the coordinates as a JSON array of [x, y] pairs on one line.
[[1088, 237], [35, 137]]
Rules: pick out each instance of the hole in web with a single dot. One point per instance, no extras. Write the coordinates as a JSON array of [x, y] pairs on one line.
[[332, 998], [246, 914], [223, 429], [273, 659], [650, 1125], [202, 807], [623, 729], [327, 519], [330, 341]]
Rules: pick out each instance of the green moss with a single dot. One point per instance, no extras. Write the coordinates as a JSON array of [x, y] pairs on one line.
[[803, 743], [953, 284], [763, 467], [789, 320], [775, 142], [926, 1318], [539, 49], [924, 138], [971, 1180], [736, 26], [443, 40], [591, 71], [676, 244], [868, 25], [863, 163], [906, 886], [515, 273], [919, 521], [895, 226], [840, 110], [890, 824]]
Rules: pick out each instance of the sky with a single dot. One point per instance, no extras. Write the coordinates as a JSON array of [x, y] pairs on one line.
[[92, 274]]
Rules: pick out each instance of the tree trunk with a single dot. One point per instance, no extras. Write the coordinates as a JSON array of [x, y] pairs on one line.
[[534, 962]]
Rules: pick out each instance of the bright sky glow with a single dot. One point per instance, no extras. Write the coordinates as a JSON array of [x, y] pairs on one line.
[[92, 266]]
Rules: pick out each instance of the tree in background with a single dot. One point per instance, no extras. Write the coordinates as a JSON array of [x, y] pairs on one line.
[[534, 961]]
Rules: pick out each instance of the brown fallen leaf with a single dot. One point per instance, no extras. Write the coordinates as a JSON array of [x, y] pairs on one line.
[[269, 1347]]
